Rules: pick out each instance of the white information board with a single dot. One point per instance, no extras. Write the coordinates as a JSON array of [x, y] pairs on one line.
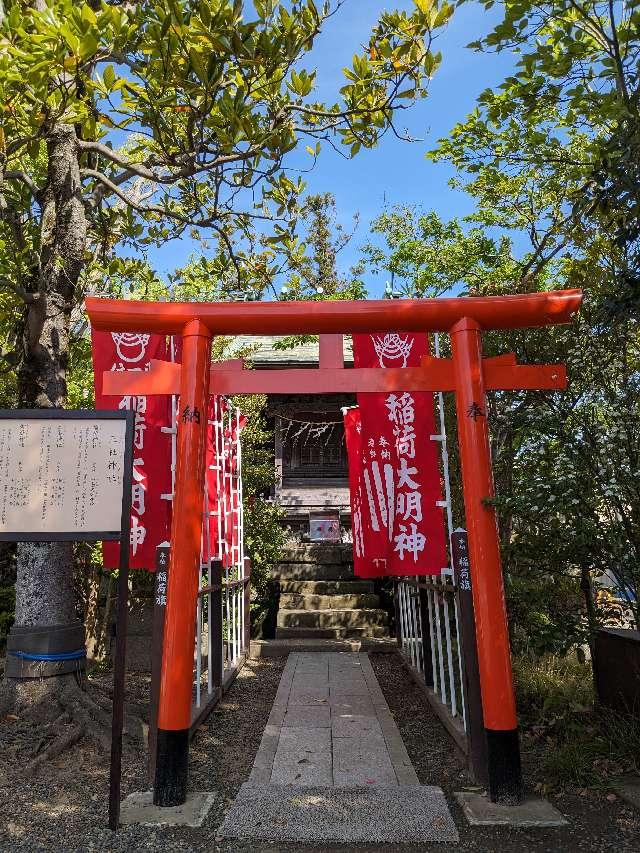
[[63, 475]]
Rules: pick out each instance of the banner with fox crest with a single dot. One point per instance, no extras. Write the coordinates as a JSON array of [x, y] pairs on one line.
[[394, 475]]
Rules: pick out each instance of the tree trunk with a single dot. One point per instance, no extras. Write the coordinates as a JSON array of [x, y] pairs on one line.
[[45, 600]]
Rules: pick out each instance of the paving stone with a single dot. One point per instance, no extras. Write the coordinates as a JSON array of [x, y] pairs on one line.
[[312, 676], [342, 693], [349, 687], [354, 725], [308, 683], [139, 808], [317, 696], [338, 674], [534, 811], [340, 661], [308, 716], [277, 715], [324, 815], [303, 757], [263, 763], [331, 732], [284, 688], [341, 705], [362, 761], [321, 668]]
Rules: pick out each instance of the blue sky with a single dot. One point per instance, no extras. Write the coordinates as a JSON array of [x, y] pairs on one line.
[[396, 171]]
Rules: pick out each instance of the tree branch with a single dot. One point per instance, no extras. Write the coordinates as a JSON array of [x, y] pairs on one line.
[[20, 292], [141, 170], [27, 180]]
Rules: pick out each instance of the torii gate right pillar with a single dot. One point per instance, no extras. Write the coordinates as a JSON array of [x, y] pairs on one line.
[[492, 633]]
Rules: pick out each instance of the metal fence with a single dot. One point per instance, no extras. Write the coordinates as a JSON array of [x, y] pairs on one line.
[[430, 640], [428, 622], [222, 619]]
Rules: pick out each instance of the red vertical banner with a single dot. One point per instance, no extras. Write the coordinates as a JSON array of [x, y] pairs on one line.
[[150, 513], [399, 485], [364, 563]]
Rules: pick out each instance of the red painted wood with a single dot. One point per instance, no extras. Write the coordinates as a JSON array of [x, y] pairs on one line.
[[492, 633], [312, 318], [331, 351], [164, 378], [176, 680]]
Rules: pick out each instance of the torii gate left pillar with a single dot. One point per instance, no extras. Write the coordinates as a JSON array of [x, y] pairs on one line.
[[467, 373], [176, 679]]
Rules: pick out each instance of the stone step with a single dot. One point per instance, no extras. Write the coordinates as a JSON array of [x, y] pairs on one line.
[[284, 646], [377, 816], [346, 618], [317, 553], [313, 571], [327, 587], [331, 633], [293, 601]]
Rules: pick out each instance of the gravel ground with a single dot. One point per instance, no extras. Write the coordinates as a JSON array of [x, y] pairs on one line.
[[64, 807], [595, 824]]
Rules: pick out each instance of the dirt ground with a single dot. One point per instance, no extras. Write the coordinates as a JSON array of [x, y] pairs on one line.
[[64, 808]]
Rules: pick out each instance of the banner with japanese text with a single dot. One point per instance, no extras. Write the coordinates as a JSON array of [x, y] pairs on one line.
[[401, 525], [363, 566], [150, 512]]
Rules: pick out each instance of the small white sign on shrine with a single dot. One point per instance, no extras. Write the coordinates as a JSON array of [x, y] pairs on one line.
[[324, 527], [64, 475]]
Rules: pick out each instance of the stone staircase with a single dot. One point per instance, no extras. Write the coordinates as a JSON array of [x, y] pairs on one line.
[[321, 599]]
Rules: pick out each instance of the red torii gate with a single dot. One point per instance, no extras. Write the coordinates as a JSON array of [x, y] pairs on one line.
[[466, 373]]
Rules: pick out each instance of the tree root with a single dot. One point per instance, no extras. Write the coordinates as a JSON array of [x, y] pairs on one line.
[[89, 716], [95, 710], [61, 744]]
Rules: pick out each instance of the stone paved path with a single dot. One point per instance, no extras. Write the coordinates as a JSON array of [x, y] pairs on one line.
[[330, 729], [330, 725]]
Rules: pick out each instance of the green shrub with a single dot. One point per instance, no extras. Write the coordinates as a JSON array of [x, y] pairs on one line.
[[546, 614], [583, 744], [553, 691], [264, 537]]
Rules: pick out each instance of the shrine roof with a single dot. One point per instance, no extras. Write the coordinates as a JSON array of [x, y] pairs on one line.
[[262, 351]]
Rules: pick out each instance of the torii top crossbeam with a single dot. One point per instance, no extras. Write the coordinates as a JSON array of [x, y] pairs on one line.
[[313, 318], [467, 373]]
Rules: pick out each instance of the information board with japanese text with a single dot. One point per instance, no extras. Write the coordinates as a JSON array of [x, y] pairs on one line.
[[63, 475]]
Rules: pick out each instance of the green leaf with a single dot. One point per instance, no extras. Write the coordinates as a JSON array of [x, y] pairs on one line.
[[109, 77], [88, 45]]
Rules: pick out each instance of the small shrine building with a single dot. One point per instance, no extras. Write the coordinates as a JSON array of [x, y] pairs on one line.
[[309, 448]]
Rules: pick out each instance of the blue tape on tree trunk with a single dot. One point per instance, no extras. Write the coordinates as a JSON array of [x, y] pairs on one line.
[[77, 655]]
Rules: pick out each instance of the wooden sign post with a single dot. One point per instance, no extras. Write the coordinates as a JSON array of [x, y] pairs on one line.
[[66, 476]]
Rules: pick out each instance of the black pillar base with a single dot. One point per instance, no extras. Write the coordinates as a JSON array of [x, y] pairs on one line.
[[504, 771], [172, 768]]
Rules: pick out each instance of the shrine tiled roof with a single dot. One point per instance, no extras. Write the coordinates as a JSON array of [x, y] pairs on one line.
[[262, 351]]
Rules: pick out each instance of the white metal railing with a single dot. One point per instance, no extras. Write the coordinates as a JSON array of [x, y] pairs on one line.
[[430, 638], [224, 581], [429, 613]]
